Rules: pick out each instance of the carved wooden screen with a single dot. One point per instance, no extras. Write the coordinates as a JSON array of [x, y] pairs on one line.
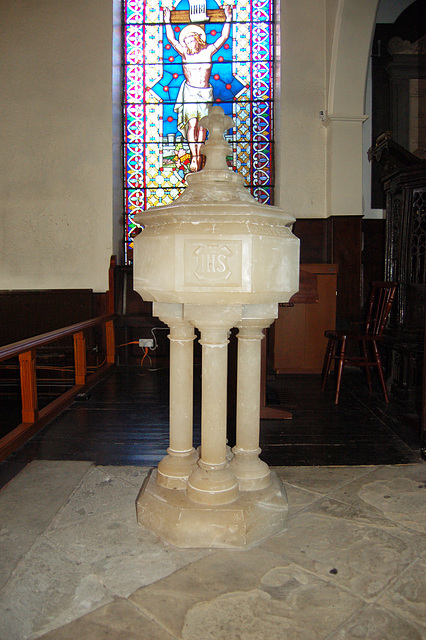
[[234, 69]]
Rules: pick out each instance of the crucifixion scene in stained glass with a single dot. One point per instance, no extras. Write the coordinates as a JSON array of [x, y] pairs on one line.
[[180, 57]]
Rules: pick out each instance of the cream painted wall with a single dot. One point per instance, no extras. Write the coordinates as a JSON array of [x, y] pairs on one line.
[[56, 156], [348, 52], [300, 146], [325, 47], [56, 189], [333, 12]]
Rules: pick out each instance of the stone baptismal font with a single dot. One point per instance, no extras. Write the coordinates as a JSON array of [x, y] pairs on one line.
[[215, 259]]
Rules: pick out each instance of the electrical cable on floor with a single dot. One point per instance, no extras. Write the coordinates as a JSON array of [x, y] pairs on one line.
[[155, 337], [146, 355], [127, 343]]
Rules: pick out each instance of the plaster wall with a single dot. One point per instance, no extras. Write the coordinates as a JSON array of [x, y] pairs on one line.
[[56, 155], [300, 146], [333, 13], [324, 53], [347, 55], [56, 186]]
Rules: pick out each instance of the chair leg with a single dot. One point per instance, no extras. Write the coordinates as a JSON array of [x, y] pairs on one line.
[[327, 362], [367, 368], [340, 365], [380, 370]]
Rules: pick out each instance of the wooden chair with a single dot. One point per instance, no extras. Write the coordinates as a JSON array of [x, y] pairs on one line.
[[382, 295]]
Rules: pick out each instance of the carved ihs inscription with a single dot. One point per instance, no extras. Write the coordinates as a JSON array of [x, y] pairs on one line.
[[212, 262]]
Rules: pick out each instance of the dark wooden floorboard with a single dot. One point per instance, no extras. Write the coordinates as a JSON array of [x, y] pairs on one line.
[[124, 421]]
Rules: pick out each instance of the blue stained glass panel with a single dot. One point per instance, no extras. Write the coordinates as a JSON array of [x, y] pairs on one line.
[[179, 58]]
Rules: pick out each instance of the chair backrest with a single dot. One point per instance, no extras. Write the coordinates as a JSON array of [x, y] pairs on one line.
[[381, 298]]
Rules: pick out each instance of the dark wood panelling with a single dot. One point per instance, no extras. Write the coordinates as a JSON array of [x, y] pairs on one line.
[[337, 240], [135, 320], [423, 413], [24, 314], [314, 243], [345, 232], [373, 254], [389, 104]]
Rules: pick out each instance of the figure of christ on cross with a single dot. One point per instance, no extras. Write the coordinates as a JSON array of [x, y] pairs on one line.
[[196, 93]]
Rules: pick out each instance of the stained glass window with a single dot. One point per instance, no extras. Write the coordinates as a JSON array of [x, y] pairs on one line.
[[180, 56]]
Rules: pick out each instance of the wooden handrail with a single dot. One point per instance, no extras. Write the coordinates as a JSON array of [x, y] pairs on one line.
[[34, 419], [16, 348], [110, 294]]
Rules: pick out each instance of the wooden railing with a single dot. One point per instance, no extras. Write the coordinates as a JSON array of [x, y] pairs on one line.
[[34, 419]]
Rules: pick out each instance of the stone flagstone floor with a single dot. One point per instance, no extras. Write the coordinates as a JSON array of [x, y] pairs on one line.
[[351, 565]]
